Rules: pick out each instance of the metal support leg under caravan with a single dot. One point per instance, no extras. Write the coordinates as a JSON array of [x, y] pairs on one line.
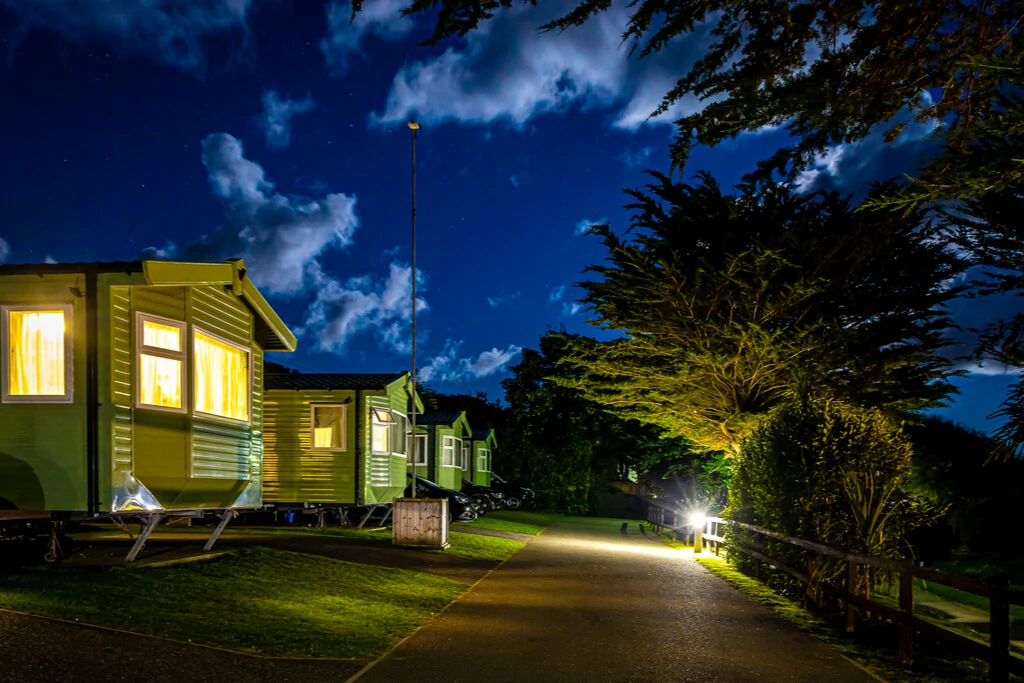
[[148, 525], [224, 519], [387, 514], [368, 515]]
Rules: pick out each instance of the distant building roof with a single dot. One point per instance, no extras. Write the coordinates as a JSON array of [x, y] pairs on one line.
[[331, 381], [59, 268], [442, 418]]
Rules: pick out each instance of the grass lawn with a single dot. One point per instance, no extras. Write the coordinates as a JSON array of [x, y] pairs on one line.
[[470, 546], [492, 523], [983, 568], [254, 599], [872, 646], [541, 519]]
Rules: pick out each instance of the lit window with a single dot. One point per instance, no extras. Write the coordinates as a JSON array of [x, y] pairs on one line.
[[448, 451], [380, 433], [222, 377], [421, 449], [38, 354], [328, 427], [161, 352], [465, 458]]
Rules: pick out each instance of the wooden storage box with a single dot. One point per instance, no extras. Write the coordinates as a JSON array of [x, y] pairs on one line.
[[420, 522]]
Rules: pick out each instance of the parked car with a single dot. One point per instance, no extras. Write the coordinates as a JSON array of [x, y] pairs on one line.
[[489, 498], [461, 508], [516, 496]]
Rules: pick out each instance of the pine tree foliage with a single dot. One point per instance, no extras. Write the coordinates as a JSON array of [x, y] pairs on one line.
[[727, 304], [827, 70]]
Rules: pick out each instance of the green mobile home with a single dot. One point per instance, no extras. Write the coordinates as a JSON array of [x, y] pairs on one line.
[[481, 453], [132, 388], [335, 440], [439, 448]]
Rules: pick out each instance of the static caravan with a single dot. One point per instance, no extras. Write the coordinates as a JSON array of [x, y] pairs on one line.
[[481, 452], [440, 456], [132, 388], [336, 440]]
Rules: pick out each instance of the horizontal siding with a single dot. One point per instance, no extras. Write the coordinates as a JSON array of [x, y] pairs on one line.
[[121, 377], [222, 449], [379, 463], [292, 471]]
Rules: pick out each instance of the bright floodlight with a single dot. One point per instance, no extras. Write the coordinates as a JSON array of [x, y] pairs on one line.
[[697, 519]]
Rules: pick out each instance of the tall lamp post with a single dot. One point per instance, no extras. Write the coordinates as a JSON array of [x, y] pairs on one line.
[[412, 451]]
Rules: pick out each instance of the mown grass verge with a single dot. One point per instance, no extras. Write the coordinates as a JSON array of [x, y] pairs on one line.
[[258, 600], [510, 524], [873, 646], [541, 519], [469, 546]]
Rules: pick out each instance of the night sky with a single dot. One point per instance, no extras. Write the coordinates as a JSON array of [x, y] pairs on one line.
[[275, 132]]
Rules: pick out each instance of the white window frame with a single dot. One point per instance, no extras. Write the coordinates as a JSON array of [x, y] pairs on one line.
[[374, 421], [344, 427], [445, 440], [465, 458], [69, 355], [416, 461], [484, 456], [192, 377], [141, 348]]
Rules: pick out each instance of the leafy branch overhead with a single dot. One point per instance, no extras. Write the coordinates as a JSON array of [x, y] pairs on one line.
[[827, 71], [728, 304]]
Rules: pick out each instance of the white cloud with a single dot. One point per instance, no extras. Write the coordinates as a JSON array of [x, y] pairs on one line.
[[174, 32], [280, 237], [381, 18], [164, 253], [516, 180], [854, 165], [343, 310], [276, 119], [571, 308], [448, 367], [50, 259], [495, 301], [5, 250], [507, 70], [990, 368], [584, 226], [636, 158], [556, 294]]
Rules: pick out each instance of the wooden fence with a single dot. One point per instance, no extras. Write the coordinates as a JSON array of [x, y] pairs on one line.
[[1000, 595]]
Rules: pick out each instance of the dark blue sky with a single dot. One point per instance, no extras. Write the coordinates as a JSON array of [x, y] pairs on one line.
[[275, 131]]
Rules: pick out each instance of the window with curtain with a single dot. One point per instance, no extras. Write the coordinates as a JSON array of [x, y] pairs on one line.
[[222, 378], [328, 427], [465, 458], [161, 358], [38, 354], [420, 457], [399, 434], [380, 430], [448, 451]]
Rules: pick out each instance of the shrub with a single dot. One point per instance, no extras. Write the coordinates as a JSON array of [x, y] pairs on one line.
[[826, 471]]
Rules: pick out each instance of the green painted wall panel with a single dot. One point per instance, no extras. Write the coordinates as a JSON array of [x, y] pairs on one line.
[[292, 471], [43, 464]]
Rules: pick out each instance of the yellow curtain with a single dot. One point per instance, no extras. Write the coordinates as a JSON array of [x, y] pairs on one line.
[[380, 438], [36, 347], [159, 381], [327, 427], [159, 336], [222, 378]]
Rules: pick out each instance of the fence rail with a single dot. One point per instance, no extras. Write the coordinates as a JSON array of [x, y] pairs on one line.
[[1000, 595]]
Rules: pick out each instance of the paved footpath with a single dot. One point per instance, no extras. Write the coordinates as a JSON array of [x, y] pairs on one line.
[[582, 602]]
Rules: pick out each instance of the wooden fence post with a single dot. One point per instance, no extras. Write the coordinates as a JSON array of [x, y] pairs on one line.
[[698, 538], [759, 547], [999, 633], [905, 653], [718, 532], [851, 588]]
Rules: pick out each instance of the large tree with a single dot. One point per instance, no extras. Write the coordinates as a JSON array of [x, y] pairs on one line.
[[728, 303]]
